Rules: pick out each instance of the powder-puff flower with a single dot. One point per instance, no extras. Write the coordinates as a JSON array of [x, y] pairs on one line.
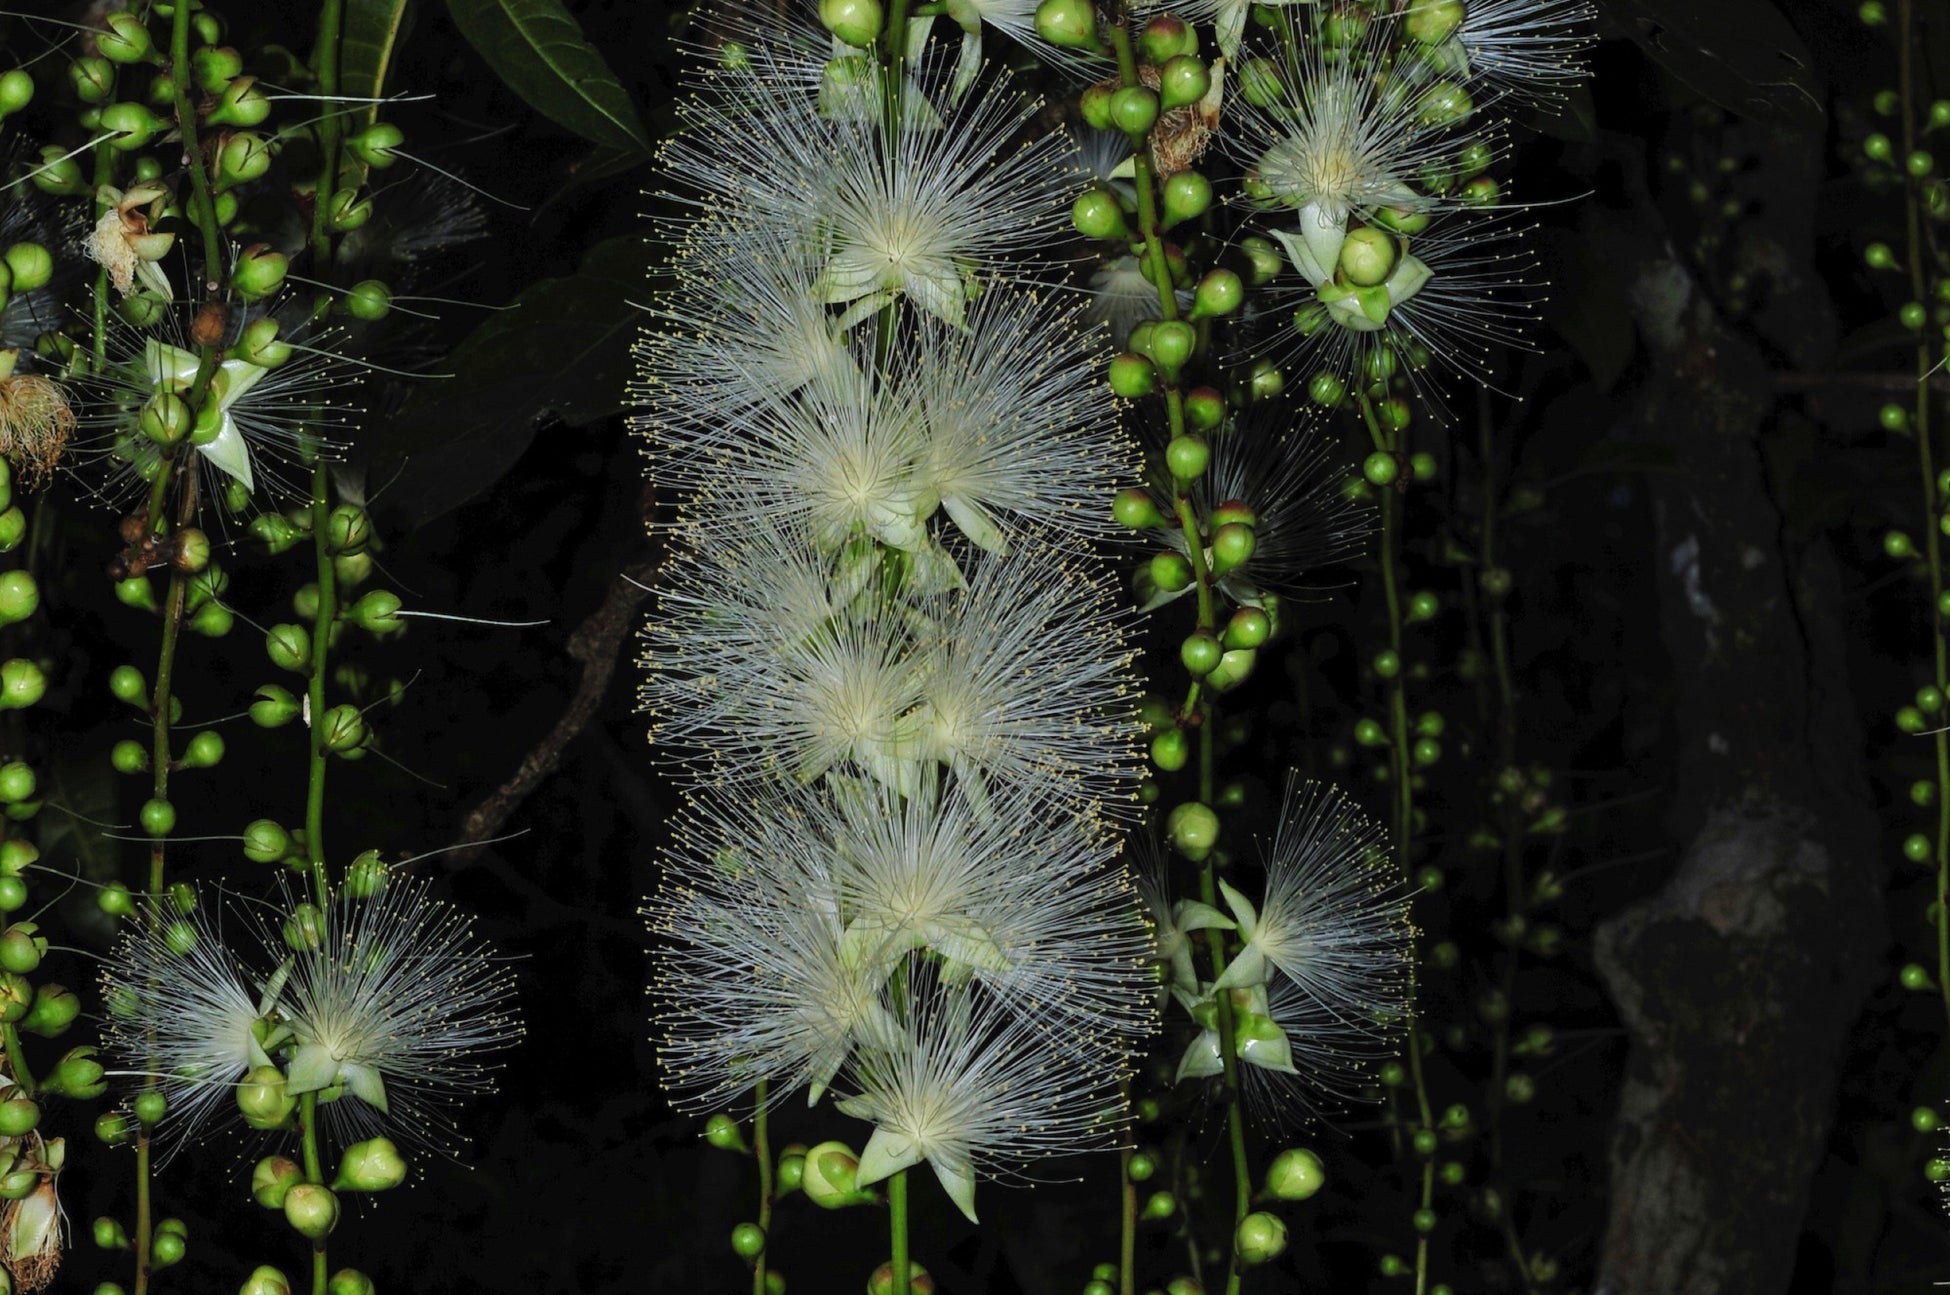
[[183, 1013], [1328, 942], [123, 243], [930, 214], [1027, 681], [393, 1006], [1016, 427], [1530, 49], [970, 1085]]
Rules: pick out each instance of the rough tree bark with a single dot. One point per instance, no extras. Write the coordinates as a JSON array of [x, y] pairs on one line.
[[1737, 981]]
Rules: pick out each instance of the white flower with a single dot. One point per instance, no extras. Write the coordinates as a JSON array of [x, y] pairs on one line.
[[1532, 50], [122, 242], [391, 1012], [181, 1013], [969, 1085], [1121, 297]]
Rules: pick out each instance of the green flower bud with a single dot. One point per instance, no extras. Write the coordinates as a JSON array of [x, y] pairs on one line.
[[1134, 110], [93, 80], [830, 1177], [55, 1009], [29, 265], [170, 1243], [263, 1097], [1219, 293], [214, 66], [21, 949], [130, 126], [791, 1169], [1187, 457], [1132, 376], [1444, 104], [748, 1241], [722, 1132], [17, 782], [370, 300], [244, 157], [265, 1280], [1294, 1175], [1368, 256], [1070, 24], [1188, 195], [1232, 545], [366, 875], [18, 1116], [857, 22], [1170, 572], [1170, 750], [374, 1165], [344, 729], [1170, 345], [112, 1128], [1094, 104], [1433, 21], [348, 530], [240, 104], [113, 899], [261, 345], [304, 930], [1381, 468], [1159, 1206], [1164, 38], [1194, 829], [1096, 214], [259, 272], [1185, 79], [109, 1234], [882, 1280], [350, 1281], [1259, 1238], [1205, 408], [1249, 628], [1200, 652], [289, 648], [150, 1106], [312, 1210], [58, 175], [275, 707], [16, 91], [272, 1178], [350, 211], [1134, 508]]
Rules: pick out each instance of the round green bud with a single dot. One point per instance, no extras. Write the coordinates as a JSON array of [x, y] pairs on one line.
[[1433, 21], [350, 210], [375, 144], [312, 1210], [1326, 389], [1265, 260], [1132, 376], [289, 648], [1915, 979], [1165, 37], [1193, 828], [259, 272], [31, 266], [374, 1165], [1170, 750], [1444, 104], [1184, 79], [264, 1099], [109, 1234], [350, 1281], [1094, 104], [1877, 147], [1919, 164], [1205, 408], [204, 750], [1878, 256], [244, 157], [1260, 83], [1170, 346], [265, 1280], [1896, 544], [77, 1075], [1200, 652], [370, 300], [59, 175], [721, 1131], [112, 1128], [13, 894], [366, 875], [1143, 1166], [126, 684], [150, 1106], [1924, 1120], [1394, 415], [1249, 628], [55, 1009], [882, 1280], [830, 1176], [748, 1241], [16, 90], [1218, 294], [241, 104], [1158, 1206], [18, 1116], [1187, 457], [129, 126], [266, 841], [1381, 468], [1294, 1175], [344, 729], [1070, 24], [1913, 316], [1232, 546], [92, 78], [774, 1282], [1170, 572], [1260, 1237], [856, 22], [1096, 214], [1519, 1089], [791, 1170], [1133, 110], [272, 1178], [215, 66], [1368, 732], [1234, 668], [17, 782], [1368, 256], [275, 707], [166, 419], [1134, 508], [1872, 13], [1188, 195], [1387, 663], [113, 899], [1937, 1169], [158, 817], [21, 950]]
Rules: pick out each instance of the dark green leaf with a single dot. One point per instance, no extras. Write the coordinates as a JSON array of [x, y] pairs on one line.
[[536, 47], [1740, 54], [372, 28], [560, 350]]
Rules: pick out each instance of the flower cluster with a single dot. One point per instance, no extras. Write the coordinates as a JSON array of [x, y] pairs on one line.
[[896, 671]]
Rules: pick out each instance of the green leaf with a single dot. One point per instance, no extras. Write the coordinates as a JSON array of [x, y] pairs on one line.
[[366, 41], [537, 48], [561, 348]]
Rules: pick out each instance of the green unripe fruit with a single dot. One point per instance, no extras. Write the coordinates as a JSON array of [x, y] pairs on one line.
[[1381, 468], [350, 1281], [1368, 256], [265, 1280], [1170, 572], [748, 1241], [1387, 664], [1133, 110], [1260, 1237], [289, 648], [1424, 1221], [31, 266], [1188, 195], [856, 22], [13, 894], [1133, 376], [1097, 215], [166, 419], [1170, 750], [1249, 628], [150, 1106], [1294, 1175], [1896, 544], [264, 1098], [1218, 294], [158, 818], [1134, 508], [1232, 545], [374, 1165], [1368, 732], [92, 78], [1423, 605], [1143, 1166], [1070, 24], [18, 1116], [1187, 457], [272, 1178], [1919, 164], [1913, 316], [55, 1009], [312, 1210], [1193, 828], [1205, 408], [1200, 652], [1184, 79], [370, 300]]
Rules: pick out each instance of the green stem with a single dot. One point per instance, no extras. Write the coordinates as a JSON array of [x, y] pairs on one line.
[[321, 645], [762, 1149], [897, 1222], [331, 131], [314, 1173], [1127, 1217], [201, 197]]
